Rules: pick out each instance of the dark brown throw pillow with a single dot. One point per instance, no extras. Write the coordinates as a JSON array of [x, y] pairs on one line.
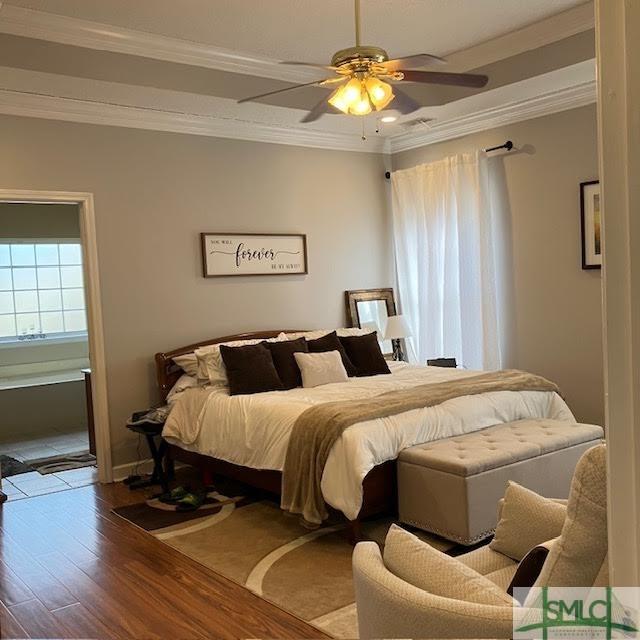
[[250, 369], [331, 342], [365, 354], [285, 362], [528, 570]]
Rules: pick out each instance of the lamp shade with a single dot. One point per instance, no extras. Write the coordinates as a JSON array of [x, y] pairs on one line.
[[397, 327]]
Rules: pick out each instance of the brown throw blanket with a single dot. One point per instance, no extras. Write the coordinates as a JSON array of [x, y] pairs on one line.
[[319, 427]]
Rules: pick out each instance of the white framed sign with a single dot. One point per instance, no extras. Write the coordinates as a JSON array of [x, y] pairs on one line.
[[253, 254]]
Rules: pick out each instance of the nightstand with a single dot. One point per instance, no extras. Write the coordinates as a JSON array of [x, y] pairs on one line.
[[162, 466]]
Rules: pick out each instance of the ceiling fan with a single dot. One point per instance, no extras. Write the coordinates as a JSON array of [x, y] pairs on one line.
[[363, 76]]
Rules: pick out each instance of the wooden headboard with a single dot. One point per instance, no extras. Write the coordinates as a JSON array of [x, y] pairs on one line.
[[168, 372]]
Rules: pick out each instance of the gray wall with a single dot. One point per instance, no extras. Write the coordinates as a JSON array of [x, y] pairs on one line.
[[155, 192], [34, 412], [557, 322]]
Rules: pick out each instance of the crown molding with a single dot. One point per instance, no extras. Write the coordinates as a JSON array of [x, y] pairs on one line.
[[35, 105], [19, 103], [53, 96], [539, 34], [30, 23], [563, 99]]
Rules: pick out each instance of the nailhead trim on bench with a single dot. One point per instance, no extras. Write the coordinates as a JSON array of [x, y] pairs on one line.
[[448, 534]]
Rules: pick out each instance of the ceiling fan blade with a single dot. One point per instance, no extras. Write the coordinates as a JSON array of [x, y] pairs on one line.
[[308, 64], [273, 93], [403, 103], [320, 109], [413, 62], [323, 83], [437, 77]]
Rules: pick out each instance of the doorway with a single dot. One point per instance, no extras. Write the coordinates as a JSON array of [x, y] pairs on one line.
[[54, 431]]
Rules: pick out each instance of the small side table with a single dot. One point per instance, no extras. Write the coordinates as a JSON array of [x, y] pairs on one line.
[[162, 466]]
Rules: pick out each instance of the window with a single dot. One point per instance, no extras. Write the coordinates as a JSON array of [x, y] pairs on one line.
[[41, 290]]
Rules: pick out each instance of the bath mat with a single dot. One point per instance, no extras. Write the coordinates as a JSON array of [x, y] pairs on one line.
[[12, 467], [63, 462]]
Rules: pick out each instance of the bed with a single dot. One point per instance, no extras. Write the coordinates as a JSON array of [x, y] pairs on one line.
[[245, 437]]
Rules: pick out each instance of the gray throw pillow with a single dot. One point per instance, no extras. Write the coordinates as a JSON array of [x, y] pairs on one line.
[[527, 520]]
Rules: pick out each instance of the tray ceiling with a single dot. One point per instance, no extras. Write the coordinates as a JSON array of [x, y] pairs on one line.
[[310, 30], [180, 66]]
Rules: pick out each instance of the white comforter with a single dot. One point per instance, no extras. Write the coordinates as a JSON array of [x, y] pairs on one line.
[[253, 430]]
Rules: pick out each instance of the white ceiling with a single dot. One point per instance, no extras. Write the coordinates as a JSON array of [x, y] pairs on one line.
[[311, 30]]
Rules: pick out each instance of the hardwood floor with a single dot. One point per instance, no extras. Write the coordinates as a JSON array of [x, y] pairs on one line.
[[71, 569]]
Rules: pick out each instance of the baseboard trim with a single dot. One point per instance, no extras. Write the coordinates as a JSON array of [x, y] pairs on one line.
[[145, 466], [122, 471]]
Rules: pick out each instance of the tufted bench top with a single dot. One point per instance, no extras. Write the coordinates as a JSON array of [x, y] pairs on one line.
[[498, 446]]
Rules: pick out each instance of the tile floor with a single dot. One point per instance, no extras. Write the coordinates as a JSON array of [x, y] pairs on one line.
[[26, 446], [26, 485], [29, 446]]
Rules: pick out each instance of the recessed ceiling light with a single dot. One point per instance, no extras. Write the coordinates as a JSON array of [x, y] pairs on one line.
[[389, 118]]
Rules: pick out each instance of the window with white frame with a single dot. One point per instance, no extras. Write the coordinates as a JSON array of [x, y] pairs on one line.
[[41, 290]]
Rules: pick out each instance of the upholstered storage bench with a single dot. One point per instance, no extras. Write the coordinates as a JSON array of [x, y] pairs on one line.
[[452, 486]]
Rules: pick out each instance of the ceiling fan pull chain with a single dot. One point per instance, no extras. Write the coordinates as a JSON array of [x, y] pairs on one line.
[[357, 17]]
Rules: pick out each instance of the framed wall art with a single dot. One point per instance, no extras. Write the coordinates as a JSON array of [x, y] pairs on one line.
[[591, 224], [253, 254]]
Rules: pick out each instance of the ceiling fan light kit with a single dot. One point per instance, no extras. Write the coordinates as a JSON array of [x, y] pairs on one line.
[[361, 95], [363, 76]]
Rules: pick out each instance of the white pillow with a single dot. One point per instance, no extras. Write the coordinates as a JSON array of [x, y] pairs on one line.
[[210, 365], [355, 331], [319, 333], [188, 363], [184, 382], [308, 335], [321, 368], [419, 564]]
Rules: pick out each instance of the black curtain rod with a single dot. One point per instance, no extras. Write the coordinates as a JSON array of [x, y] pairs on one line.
[[508, 145]]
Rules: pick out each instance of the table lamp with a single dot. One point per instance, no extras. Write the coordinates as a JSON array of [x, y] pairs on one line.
[[397, 328]]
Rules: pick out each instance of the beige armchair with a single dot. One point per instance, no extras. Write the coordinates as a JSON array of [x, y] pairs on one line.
[[415, 591]]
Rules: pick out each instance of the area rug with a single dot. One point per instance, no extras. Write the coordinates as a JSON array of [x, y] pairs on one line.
[[254, 543], [62, 462], [12, 467]]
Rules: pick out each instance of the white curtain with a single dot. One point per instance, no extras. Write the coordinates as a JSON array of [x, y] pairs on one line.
[[447, 231]]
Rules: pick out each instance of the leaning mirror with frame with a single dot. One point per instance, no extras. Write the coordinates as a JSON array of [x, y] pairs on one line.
[[369, 309]]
